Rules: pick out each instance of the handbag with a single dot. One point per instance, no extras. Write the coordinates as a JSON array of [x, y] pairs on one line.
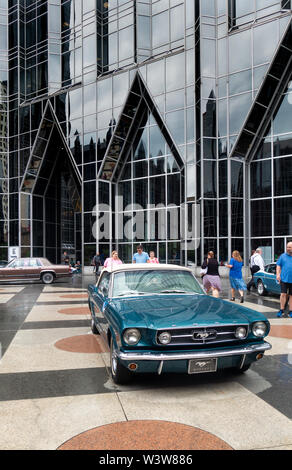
[[204, 271]]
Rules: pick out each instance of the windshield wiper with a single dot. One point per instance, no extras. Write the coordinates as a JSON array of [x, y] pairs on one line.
[[171, 291], [130, 292]]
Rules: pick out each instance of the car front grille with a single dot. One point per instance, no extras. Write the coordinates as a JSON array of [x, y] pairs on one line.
[[201, 335]]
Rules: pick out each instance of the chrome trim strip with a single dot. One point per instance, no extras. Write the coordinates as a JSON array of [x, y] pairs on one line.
[[135, 356], [242, 361], [160, 368]]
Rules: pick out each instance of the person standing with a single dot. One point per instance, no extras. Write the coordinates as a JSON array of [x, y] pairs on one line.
[[211, 280], [96, 263], [113, 261], [152, 258], [256, 264], [141, 256], [284, 276], [235, 276], [65, 258]]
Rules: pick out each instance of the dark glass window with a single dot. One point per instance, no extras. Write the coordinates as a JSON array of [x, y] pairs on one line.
[[173, 189], [3, 233], [264, 150], [283, 176], [286, 4], [282, 145], [157, 166], [223, 250], [223, 218], [209, 118], [260, 179], [125, 193], [223, 188], [210, 179], [51, 235], [13, 206], [38, 233], [237, 244], [13, 233], [283, 216], [89, 221], [261, 218], [236, 179], [89, 148], [209, 148], [89, 196], [89, 172], [103, 193], [157, 190], [210, 218], [237, 217], [140, 192], [140, 169]]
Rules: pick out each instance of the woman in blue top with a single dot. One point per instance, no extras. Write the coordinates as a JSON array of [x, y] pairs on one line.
[[235, 276]]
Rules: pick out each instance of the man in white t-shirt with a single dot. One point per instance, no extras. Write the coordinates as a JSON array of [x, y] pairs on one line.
[[256, 264]]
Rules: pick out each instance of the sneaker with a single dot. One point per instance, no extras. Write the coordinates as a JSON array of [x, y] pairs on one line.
[[232, 299], [241, 300], [280, 314], [290, 314]]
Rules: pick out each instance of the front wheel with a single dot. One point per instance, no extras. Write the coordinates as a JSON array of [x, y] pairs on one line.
[[241, 370], [48, 278], [120, 374], [93, 327], [261, 288]]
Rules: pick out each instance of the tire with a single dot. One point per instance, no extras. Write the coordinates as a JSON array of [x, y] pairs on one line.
[[244, 368], [48, 278], [261, 288], [241, 370], [93, 327], [120, 374]]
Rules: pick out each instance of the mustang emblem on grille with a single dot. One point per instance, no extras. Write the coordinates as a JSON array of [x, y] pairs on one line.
[[204, 334], [201, 364]]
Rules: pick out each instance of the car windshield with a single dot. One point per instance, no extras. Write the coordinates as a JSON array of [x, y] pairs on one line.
[[145, 282]]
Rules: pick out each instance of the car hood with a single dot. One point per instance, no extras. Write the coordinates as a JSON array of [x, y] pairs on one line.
[[165, 311]]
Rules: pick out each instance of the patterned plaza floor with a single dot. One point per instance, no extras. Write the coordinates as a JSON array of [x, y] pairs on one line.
[[56, 391]]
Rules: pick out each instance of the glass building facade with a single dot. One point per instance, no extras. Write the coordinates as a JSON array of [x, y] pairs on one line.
[[165, 122]]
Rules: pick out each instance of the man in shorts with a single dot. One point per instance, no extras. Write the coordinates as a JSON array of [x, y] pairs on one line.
[[284, 276]]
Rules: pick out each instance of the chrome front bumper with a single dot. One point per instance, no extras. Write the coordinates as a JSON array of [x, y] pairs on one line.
[[147, 356]]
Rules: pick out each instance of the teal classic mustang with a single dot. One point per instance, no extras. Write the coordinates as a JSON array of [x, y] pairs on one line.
[[157, 318], [266, 281]]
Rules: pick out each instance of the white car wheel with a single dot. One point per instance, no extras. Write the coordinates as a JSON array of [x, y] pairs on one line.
[[48, 278]]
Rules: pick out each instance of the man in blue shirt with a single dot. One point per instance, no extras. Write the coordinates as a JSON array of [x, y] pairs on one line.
[[284, 276], [141, 256]]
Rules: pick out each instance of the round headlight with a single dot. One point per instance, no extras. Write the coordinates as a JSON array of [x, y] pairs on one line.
[[132, 336], [259, 328], [240, 332], [164, 338]]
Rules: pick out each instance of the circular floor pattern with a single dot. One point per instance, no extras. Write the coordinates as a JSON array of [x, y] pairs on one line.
[[145, 435], [74, 296], [81, 344], [75, 311], [281, 331]]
